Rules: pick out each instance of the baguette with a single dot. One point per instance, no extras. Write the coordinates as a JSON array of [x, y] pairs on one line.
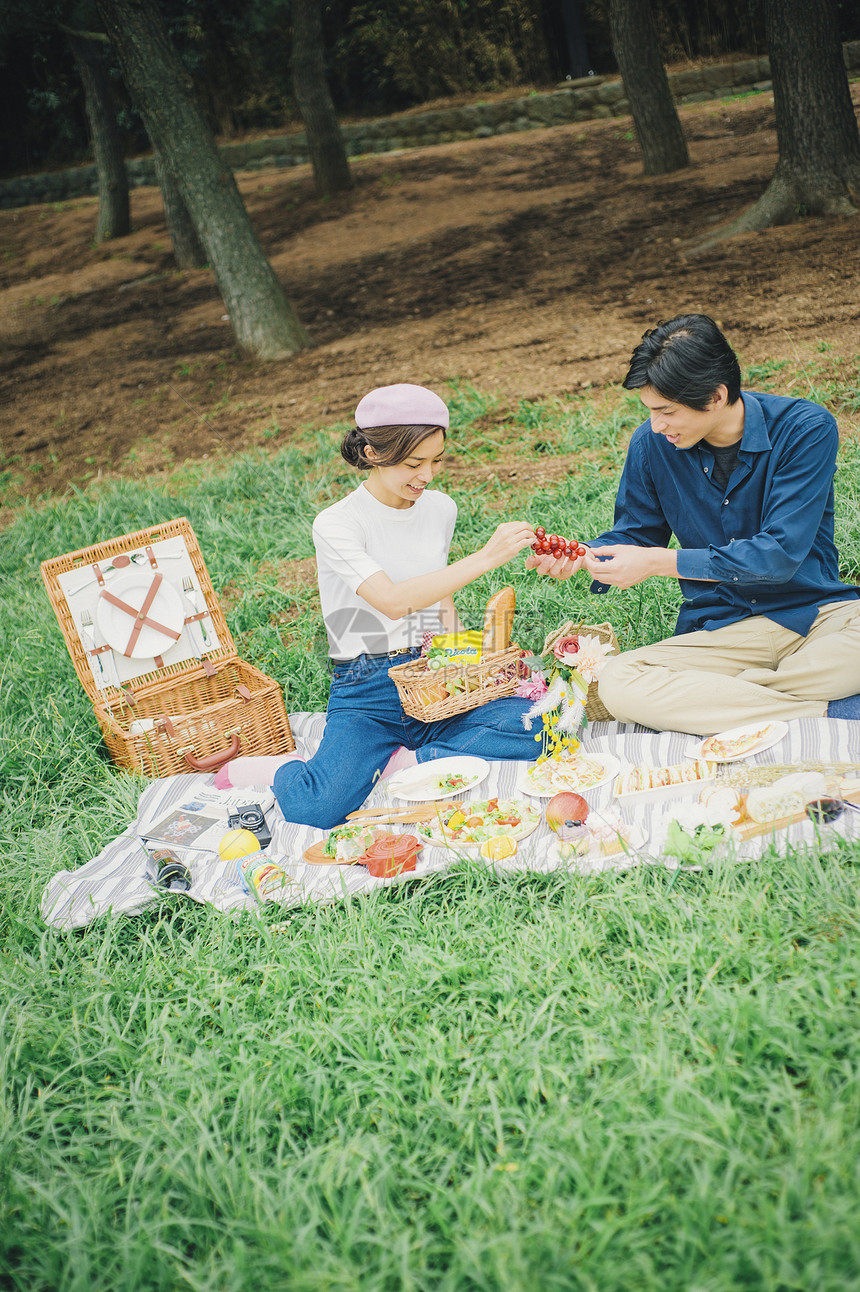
[[646, 777], [498, 621]]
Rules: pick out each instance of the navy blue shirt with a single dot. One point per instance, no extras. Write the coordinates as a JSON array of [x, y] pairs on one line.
[[767, 538]]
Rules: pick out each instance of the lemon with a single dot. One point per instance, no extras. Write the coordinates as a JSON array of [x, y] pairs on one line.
[[498, 848], [237, 843]]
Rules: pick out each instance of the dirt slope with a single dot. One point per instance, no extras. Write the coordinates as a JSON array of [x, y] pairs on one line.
[[527, 265]]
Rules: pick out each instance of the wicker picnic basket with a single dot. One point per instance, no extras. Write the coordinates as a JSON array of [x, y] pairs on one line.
[[595, 709], [191, 715], [424, 695]]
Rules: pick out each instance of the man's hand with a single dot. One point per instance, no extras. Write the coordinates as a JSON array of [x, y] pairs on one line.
[[555, 567], [625, 565]]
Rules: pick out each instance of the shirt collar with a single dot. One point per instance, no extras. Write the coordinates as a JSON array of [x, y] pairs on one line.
[[755, 438]]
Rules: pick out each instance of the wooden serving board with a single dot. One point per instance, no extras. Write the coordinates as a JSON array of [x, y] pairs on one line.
[[315, 856], [752, 829]]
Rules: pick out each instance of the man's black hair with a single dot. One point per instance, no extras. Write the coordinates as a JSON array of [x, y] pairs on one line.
[[685, 359]]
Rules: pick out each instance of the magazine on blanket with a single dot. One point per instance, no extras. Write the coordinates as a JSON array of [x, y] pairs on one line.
[[198, 825]]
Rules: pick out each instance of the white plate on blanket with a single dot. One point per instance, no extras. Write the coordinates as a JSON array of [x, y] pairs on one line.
[[595, 860], [530, 817], [578, 775], [424, 783], [741, 742]]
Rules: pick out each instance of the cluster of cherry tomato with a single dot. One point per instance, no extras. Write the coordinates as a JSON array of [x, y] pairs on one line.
[[553, 545]]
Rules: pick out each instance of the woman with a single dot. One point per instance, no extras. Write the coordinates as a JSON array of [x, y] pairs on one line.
[[384, 582]]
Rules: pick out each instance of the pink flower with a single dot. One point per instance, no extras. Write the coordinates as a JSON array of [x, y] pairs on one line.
[[532, 688], [565, 646]]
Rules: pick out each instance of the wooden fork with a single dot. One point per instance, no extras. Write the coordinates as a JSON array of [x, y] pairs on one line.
[[395, 816]]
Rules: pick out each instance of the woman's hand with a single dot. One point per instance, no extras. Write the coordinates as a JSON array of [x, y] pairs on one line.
[[556, 567], [508, 539]]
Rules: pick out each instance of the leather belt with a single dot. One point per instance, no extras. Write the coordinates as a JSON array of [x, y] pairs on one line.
[[386, 654]]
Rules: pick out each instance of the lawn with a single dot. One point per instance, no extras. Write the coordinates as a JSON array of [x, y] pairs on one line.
[[643, 1080]]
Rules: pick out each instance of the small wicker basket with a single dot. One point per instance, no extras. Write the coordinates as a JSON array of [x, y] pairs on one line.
[[595, 709], [424, 695]]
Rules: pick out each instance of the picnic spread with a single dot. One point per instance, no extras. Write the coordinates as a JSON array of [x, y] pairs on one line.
[[151, 647], [634, 810]]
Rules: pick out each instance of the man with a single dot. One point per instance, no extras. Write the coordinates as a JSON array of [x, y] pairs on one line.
[[744, 482]]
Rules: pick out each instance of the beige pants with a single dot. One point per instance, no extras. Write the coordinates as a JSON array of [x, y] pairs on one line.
[[750, 671]]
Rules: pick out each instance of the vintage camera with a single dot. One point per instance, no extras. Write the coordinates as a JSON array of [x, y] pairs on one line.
[[251, 818]]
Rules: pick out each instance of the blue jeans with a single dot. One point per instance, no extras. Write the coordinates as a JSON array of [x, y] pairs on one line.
[[365, 724]]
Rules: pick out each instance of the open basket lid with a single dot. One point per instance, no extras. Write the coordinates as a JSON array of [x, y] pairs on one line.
[[138, 609]]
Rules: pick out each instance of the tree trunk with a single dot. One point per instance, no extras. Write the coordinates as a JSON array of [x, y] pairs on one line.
[[188, 251], [263, 319], [307, 65], [91, 59], [646, 85], [818, 170], [577, 49]]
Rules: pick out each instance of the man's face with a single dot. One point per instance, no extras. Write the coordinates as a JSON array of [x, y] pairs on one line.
[[682, 426]]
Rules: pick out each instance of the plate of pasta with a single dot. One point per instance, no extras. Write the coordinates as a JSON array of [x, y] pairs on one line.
[[580, 773]]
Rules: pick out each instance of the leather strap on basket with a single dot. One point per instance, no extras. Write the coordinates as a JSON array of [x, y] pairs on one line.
[[140, 616], [211, 762]]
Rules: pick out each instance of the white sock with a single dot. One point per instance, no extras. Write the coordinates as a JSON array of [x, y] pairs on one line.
[[399, 761], [242, 772]]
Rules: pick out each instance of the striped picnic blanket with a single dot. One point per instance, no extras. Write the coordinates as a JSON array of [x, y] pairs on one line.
[[118, 880]]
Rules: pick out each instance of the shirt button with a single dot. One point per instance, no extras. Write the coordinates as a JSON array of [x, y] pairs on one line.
[[734, 578], [753, 600], [706, 470], [725, 502]]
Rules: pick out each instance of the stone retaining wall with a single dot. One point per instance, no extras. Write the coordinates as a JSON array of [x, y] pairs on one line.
[[580, 100]]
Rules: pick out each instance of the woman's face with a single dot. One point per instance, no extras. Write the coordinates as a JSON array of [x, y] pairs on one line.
[[403, 484]]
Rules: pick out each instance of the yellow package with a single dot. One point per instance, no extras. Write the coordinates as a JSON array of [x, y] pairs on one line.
[[455, 648]]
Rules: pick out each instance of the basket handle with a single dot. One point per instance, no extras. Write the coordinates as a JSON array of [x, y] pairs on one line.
[[211, 762]]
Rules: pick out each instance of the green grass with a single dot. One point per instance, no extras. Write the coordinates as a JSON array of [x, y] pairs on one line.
[[638, 1081]]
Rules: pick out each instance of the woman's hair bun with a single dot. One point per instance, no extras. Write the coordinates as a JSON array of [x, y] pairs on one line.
[[352, 448]]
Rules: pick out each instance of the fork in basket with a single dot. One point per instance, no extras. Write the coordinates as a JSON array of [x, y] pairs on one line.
[[196, 631], [107, 673]]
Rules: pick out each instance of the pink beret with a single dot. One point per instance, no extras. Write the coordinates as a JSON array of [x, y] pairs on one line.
[[401, 405]]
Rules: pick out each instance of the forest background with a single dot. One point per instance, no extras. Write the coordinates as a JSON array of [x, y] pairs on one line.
[[381, 56]]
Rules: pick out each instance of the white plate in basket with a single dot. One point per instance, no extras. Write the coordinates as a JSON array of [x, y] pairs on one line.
[[420, 784], [543, 780], [117, 625], [772, 733]]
